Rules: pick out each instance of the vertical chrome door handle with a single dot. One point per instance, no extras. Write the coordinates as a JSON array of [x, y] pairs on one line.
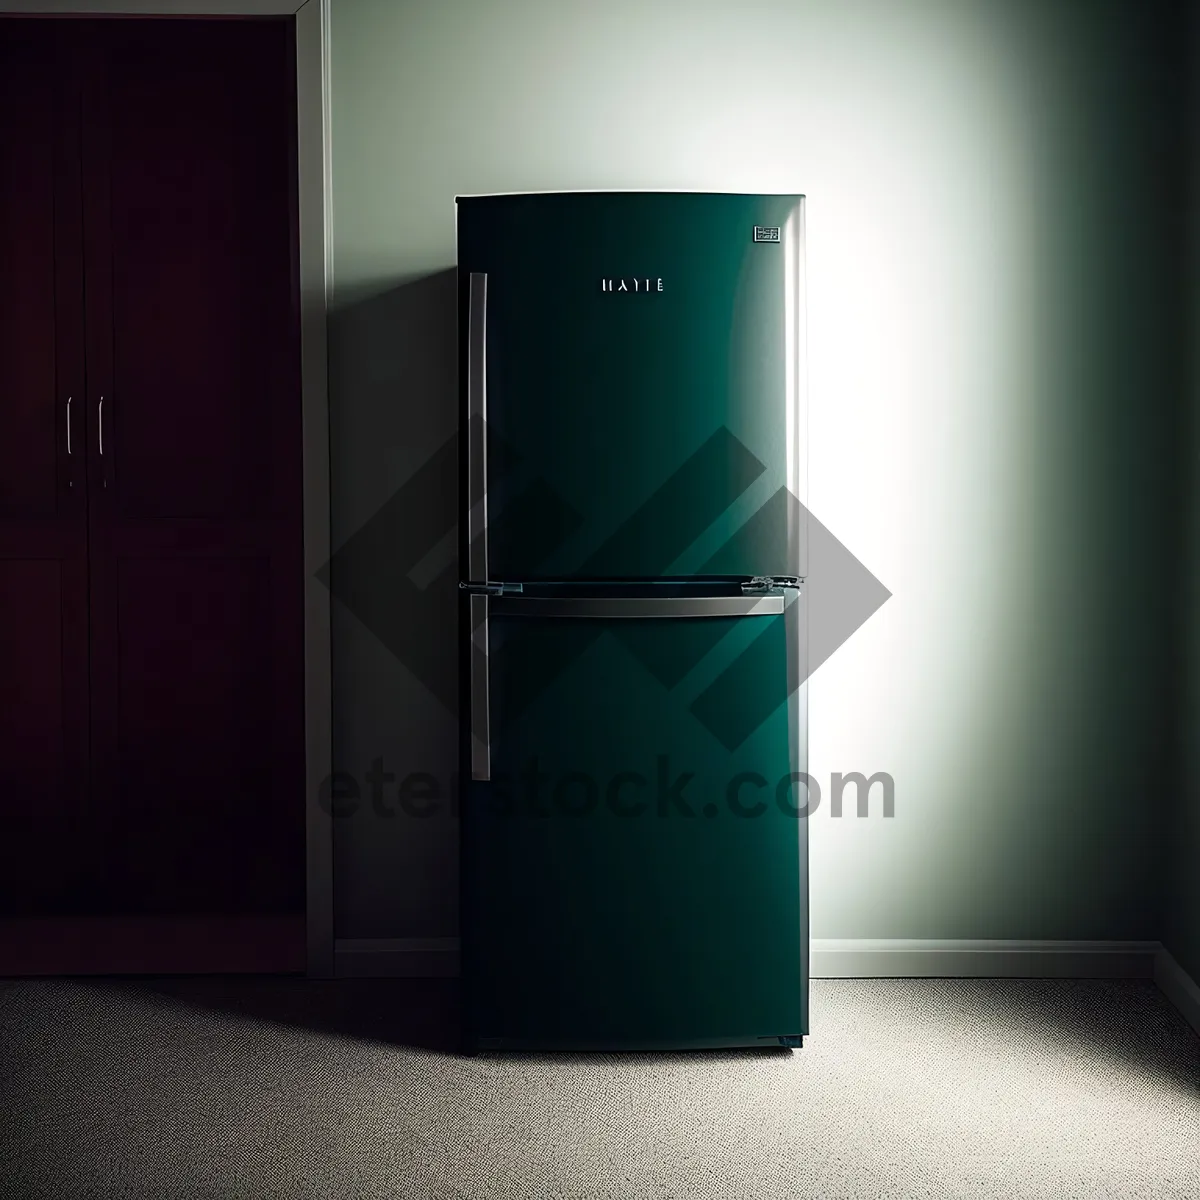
[[481, 734], [477, 523], [68, 424]]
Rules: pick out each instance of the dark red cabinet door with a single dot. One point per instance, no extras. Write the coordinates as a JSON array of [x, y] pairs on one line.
[[43, 480], [194, 500]]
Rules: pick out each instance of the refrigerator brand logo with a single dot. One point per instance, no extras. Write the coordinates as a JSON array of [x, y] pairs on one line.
[[766, 233], [631, 285]]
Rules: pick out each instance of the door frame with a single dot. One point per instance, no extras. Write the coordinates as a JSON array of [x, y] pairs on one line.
[[314, 184]]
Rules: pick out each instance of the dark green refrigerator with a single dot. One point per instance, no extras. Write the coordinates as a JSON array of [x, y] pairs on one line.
[[634, 852]]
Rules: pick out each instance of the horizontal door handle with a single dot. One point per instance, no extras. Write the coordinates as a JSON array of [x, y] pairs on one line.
[[636, 606]]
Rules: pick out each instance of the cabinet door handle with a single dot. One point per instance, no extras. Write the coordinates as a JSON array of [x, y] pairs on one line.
[[68, 424], [100, 418]]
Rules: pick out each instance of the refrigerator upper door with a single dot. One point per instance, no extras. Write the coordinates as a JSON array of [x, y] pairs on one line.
[[633, 379]]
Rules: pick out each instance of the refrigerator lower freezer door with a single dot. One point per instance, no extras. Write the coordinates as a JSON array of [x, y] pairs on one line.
[[634, 868]]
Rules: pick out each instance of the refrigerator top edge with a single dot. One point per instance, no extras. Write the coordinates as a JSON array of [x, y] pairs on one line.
[[624, 192]]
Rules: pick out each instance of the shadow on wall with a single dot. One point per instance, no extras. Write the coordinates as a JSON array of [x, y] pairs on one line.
[[394, 575]]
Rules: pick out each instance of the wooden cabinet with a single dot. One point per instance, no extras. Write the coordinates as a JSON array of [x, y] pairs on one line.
[[44, 659], [151, 575]]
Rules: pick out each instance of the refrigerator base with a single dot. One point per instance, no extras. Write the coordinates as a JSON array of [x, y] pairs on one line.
[[484, 1045]]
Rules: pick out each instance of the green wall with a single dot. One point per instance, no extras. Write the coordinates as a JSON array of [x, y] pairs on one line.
[[994, 378]]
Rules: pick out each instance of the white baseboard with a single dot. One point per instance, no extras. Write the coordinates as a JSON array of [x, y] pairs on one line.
[[861, 958], [1178, 987], [908, 958], [395, 958]]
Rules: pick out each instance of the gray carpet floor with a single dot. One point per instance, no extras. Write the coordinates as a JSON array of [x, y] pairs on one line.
[[257, 1088]]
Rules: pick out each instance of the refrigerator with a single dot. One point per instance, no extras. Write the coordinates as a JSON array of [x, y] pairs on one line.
[[632, 800]]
